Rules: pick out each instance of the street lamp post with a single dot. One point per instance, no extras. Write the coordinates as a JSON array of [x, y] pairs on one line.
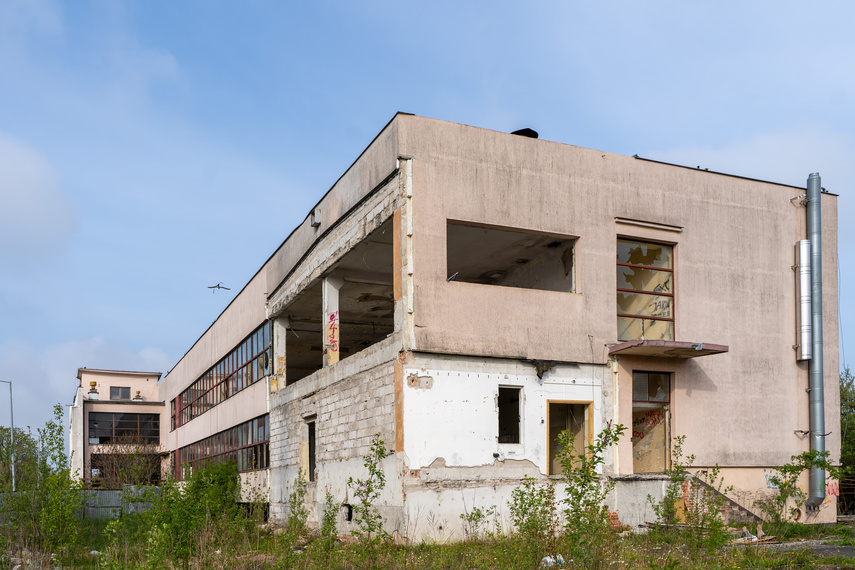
[[12, 418]]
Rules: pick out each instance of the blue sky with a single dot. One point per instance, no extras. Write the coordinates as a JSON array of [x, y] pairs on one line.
[[150, 149]]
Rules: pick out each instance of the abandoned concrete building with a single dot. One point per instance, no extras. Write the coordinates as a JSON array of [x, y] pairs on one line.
[[468, 294], [114, 412]]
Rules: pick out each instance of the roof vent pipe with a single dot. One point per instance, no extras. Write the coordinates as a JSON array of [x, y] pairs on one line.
[[817, 399], [526, 132]]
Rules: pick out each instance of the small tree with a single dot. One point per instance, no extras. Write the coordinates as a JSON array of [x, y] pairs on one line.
[[847, 422], [666, 510], [587, 517], [369, 522], [42, 515], [127, 460]]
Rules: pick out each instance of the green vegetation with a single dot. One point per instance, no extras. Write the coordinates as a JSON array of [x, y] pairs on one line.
[[200, 524], [41, 516], [847, 422], [789, 497]]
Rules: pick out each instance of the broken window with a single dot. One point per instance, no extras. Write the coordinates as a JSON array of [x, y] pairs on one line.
[[509, 257], [645, 291], [120, 393], [509, 414], [651, 394], [575, 419], [244, 365], [247, 444]]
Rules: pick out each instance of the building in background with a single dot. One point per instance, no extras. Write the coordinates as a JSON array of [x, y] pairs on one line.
[[468, 294], [115, 427]]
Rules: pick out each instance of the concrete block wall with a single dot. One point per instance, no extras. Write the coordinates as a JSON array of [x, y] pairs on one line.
[[347, 414]]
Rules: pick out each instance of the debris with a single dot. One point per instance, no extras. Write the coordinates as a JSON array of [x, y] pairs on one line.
[[552, 561]]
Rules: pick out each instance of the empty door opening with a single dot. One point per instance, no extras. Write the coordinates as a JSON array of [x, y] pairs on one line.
[[575, 418]]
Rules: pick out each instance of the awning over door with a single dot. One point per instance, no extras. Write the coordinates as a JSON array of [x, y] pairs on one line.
[[666, 348]]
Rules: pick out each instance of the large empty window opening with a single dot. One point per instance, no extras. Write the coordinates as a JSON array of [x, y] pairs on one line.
[[366, 307], [651, 395], [645, 291], [575, 419], [509, 414], [509, 257]]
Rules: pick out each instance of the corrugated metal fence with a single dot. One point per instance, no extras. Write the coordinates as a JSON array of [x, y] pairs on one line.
[[104, 504]]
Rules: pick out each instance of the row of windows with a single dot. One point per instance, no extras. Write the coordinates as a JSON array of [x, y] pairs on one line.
[[246, 444], [246, 364], [110, 428]]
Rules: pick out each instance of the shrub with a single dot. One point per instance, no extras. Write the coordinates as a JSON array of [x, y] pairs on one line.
[[533, 511], [366, 514], [297, 512], [42, 516], [789, 497], [587, 531], [475, 521], [666, 510]]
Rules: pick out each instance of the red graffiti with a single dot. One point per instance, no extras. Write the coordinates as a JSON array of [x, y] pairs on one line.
[[638, 435], [653, 418], [332, 328], [832, 489]]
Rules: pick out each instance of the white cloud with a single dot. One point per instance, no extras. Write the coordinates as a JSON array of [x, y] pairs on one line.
[[36, 217], [44, 376]]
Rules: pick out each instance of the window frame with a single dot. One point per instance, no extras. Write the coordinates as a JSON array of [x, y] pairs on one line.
[[658, 403], [520, 401], [672, 295], [119, 424], [247, 444], [589, 411], [226, 377], [122, 390]]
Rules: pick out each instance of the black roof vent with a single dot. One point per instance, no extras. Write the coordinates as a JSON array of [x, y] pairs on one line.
[[530, 133]]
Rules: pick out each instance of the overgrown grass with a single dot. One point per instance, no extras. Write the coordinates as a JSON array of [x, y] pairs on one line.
[[198, 524], [308, 549]]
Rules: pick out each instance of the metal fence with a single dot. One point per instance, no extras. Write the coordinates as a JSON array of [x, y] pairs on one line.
[[104, 504]]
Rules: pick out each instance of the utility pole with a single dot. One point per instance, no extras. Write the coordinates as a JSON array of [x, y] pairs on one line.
[[12, 418]]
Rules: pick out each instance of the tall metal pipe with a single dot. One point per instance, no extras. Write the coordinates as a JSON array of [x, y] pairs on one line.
[[805, 315], [816, 494]]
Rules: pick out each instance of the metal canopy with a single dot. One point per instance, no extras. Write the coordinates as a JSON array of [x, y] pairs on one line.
[[666, 348]]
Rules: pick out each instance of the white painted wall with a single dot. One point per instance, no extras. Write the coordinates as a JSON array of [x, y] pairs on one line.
[[456, 419]]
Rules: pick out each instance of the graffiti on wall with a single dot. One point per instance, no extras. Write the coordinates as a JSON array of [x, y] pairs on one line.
[[768, 474], [332, 332]]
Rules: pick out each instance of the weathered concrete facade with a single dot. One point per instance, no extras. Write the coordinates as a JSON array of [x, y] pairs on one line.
[[111, 407], [455, 292]]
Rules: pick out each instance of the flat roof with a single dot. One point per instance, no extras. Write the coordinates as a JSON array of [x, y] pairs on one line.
[[80, 371]]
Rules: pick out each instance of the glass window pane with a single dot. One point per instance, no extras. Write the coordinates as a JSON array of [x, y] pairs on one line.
[[641, 253], [639, 386], [649, 329], [642, 279], [658, 387], [644, 305]]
